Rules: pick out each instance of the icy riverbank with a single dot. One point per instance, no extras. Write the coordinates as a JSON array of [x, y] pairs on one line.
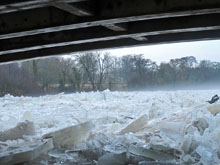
[[174, 126]]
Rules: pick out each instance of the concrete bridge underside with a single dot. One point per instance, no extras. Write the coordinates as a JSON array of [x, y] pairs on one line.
[[42, 28]]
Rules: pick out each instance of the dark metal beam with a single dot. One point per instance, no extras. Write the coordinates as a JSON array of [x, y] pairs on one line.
[[109, 12], [152, 40], [8, 6], [121, 28], [136, 30], [72, 9], [140, 38], [114, 27], [46, 31]]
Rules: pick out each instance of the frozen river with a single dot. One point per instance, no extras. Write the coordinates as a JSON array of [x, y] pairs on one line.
[[168, 126]]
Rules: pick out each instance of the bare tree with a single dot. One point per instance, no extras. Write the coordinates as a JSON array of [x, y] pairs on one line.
[[104, 64], [88, 63]]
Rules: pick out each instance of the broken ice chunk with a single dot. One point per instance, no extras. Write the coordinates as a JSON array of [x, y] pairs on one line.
[[135, 159], [207, 156], [214, 109], [27, 151], [7, 123], [149, 153], [112, 159], [114, 127], [188, 159], [154, 111], [166, 149], [23, 128], [173, 130], [155, 163], [136, 125], [59, 154], [187, 141], [216, 135], [56, 152], [187, 103], [27, 116], [71, 135], [201, 124]]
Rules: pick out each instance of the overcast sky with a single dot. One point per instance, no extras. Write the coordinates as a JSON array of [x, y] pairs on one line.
[[208, 50]]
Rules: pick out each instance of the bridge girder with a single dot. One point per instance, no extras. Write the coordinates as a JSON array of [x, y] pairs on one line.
[[42, 28]]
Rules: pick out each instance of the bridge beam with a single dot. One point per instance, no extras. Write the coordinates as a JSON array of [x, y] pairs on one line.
[[48, 19], [136, 30], [9, 6], [120, 43], [34, 28]]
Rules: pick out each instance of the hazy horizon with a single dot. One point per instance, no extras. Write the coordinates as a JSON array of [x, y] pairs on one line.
[[202, 50]]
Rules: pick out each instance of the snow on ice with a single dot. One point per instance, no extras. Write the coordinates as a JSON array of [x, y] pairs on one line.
[[161, 127]]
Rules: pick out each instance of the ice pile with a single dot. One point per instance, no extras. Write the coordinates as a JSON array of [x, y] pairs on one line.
[[118, 128]]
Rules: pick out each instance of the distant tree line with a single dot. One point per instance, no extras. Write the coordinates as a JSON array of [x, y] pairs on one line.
[[94, 71]]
